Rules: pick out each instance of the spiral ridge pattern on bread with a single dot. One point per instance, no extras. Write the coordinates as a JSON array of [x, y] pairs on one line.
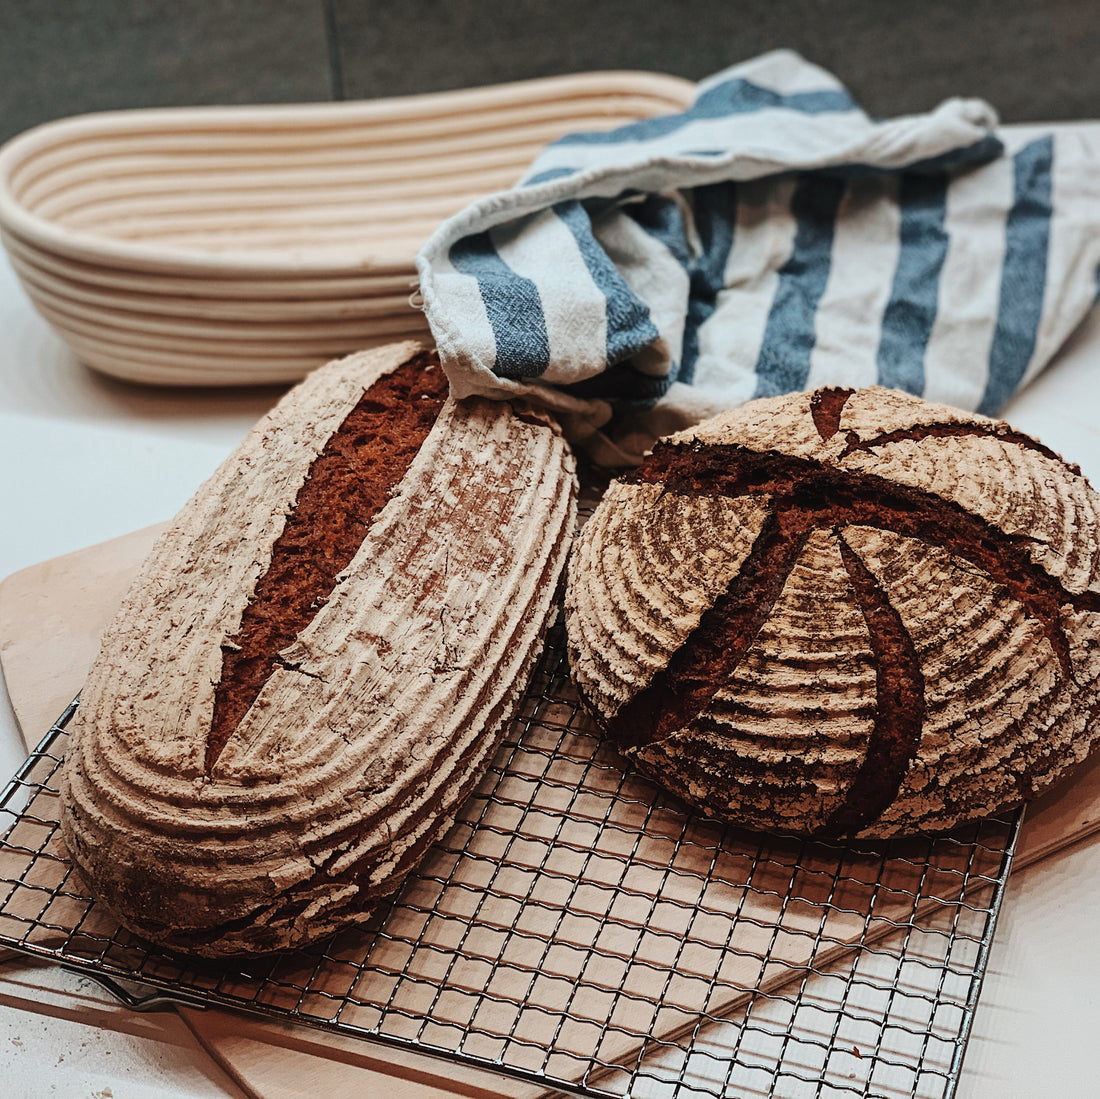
[[373, 723], [847, 613]]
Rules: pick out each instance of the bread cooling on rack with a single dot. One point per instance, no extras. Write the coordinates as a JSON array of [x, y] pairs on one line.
[[317, 661], [844, 613]]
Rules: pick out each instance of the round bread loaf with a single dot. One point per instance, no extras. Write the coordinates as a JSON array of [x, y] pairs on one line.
[[844, 613]]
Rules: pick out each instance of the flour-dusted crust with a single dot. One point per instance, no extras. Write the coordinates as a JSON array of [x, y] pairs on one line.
[[380, 717], [844, 613]]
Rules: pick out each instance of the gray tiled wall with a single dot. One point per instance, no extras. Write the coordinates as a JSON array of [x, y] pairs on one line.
[[1033, 60]]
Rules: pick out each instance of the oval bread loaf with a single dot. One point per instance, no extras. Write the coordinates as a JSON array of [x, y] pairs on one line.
[[318, 659], [844, 613]]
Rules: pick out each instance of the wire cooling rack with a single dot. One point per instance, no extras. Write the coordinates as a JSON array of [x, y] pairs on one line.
[[583, 933]]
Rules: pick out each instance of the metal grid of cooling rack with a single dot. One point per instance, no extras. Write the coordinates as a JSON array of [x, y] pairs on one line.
[[580, 932]]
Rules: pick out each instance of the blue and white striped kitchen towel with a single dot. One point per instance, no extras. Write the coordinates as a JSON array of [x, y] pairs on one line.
[[770, 238]]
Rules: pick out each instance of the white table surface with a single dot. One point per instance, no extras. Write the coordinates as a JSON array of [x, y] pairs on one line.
[[84, 458]]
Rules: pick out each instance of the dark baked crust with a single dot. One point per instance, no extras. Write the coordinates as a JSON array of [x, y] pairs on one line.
[[348, 484]]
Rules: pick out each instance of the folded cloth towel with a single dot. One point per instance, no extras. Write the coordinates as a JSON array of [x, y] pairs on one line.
[[772, 237]]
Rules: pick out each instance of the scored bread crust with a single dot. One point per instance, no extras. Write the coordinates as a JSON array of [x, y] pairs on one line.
[[844, 613], [381, 715]]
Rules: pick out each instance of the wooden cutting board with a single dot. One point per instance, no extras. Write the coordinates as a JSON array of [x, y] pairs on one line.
[[51, 616]]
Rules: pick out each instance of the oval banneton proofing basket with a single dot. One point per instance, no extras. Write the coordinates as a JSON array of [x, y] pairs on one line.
[[248, 245]]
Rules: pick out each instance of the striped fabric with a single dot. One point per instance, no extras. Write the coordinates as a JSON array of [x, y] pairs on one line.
[[771, 238]]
